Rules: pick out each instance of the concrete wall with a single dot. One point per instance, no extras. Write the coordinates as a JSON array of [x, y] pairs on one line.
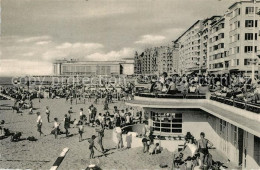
[[249, 161]]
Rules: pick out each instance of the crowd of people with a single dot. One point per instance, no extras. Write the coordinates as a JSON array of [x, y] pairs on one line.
[[120, 118], [236, 86]]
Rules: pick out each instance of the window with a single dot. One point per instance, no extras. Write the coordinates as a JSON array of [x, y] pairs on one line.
[[237, 12], [221, 35], [237, 24], [248, 49], [221, 45], [250, 10], [249, 36], [246, 62], [167, 122], [237, 49], [236, 37], [235, 134], [250, 23]]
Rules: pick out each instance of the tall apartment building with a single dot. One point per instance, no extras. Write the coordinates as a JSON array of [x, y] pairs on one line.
[[243, 35], [137, 63], [222, 44], [204, 39], [156, 60], [165, 59], [218, 60], [189, 45]]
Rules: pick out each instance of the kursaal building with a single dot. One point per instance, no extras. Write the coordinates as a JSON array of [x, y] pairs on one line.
[[87, 68]]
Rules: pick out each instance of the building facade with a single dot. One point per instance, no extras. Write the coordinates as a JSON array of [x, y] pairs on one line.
[[86, 68], [223, 44], [243, 35], [189, 44], [218, 61]]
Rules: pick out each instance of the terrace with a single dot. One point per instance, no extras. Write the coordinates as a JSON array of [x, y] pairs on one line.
[[242, 118]]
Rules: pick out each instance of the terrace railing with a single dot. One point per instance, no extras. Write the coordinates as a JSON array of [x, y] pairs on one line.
[[253, 107]]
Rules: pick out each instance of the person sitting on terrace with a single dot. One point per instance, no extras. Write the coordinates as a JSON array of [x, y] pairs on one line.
[[172, 87], [216, 87], [163, 77], [193, 87], [253, 95]]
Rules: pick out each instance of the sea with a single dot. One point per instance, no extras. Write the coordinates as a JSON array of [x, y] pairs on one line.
[[6, 81]]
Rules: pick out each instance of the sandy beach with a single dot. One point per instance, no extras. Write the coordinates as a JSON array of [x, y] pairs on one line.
[[43, 153]]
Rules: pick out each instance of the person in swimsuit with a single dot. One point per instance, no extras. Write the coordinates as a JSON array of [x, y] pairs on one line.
[[203, 145]]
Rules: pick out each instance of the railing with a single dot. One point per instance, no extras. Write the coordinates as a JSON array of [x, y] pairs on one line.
[[253, 107], [173, 96]]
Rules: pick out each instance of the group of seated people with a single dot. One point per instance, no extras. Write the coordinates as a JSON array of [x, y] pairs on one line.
[[246, 91], [179, 84]]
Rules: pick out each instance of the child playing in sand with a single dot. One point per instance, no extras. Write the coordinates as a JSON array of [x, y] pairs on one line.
[[92, 146], [154, 149], [81, 130]]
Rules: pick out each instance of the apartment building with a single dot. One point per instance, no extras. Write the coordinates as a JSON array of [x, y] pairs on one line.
[[243, 35], [222, 44], [204, 39], [156, 60], [189, 46], [218, 60]]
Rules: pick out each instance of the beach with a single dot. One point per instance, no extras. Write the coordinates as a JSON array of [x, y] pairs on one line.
[[42, 153]]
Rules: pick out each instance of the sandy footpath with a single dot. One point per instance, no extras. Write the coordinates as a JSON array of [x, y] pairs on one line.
[[42, 153]]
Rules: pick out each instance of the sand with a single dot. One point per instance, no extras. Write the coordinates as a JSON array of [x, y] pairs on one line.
[[43, 153]]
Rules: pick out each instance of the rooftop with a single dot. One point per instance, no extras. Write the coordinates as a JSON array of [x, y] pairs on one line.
[[243, 119]]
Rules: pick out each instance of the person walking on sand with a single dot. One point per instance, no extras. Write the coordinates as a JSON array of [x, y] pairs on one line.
[[81, 114], [39, 123], [81, 130], [92, 146], [48, 114], [66, 125], [56, 127]]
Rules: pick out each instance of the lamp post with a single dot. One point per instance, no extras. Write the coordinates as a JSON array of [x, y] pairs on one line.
[[253, 52]]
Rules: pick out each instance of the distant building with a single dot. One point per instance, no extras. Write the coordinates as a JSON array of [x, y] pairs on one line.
[[156, 60], [189, 49], [86, 68]]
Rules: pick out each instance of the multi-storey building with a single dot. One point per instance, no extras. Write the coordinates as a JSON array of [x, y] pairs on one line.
[[165, 59], [204, 39], [225, 44], [189, 49], [138, 63], [218, 60], [243, 35], [149, 61], [85, 68], [156, 60]]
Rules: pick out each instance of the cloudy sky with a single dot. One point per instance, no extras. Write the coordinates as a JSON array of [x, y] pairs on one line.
[[35, 32]]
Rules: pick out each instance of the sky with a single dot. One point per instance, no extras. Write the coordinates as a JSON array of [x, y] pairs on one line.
[[36, 32]]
